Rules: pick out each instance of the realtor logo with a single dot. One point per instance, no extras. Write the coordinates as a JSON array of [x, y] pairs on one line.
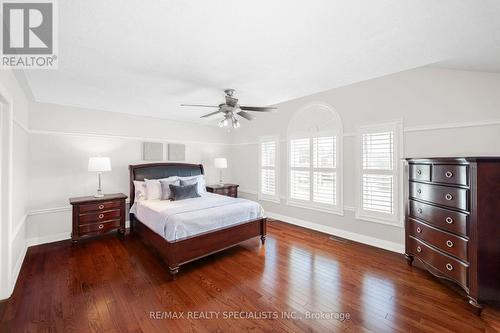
[[28, 34]]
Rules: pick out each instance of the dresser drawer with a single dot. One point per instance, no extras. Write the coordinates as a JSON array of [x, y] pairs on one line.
[[449, 220], [446, 265], [443, 240], [99, 217], [96, 207], [420, 172], [443, 195], [99, 227], [450, 174]]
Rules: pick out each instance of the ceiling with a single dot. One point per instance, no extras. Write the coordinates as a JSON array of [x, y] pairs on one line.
[[147, 57]]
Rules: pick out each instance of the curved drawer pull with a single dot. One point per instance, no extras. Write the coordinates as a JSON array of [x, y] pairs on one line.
[[101, 216], [449, 243], [448, 197], [419, 210], [419, 191], [419, 172], [419, 230], [101, 206], [449, 220], [448, 174], [101, 226], [449, 267], [419, 249]]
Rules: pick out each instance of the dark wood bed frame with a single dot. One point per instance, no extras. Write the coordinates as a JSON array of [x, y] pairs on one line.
[[184, 250]]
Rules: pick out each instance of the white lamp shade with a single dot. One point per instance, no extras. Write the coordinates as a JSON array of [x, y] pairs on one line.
[[99, 164], [220, 163]]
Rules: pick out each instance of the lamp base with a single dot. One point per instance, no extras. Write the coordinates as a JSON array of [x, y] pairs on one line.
[[98, 195]]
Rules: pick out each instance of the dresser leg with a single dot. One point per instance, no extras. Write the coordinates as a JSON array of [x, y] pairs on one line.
[[263, 239], [173, 272], [409, 259], [476, 307]]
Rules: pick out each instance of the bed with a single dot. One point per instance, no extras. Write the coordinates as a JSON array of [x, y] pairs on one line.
[[186, 230]]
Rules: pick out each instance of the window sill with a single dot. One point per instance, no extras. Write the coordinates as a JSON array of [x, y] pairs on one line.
[[336, 211], [393, 223], [261, 197]]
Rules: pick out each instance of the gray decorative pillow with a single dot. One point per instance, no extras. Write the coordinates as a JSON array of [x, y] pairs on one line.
[[184, 192], [165, 189]]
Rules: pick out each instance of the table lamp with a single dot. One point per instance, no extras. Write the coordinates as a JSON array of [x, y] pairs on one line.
[[220, 163], [99, 165]]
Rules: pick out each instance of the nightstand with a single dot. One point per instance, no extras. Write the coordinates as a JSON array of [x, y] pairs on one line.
[[230, 190], [96, 216]]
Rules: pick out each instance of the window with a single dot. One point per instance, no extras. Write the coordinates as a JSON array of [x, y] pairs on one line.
[[268, 180], [314, 172], [379, 174]]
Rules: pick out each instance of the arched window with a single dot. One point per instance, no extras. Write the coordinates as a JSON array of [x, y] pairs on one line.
[[315, 159]]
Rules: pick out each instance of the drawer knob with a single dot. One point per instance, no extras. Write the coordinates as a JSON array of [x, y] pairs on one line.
[[101, 226], [419, 249], [419, 191], [449, 243], [419, 210], [419, 230], [449, 267], [448, 197], [448, 174], [101, 206], [419, 172], [101, 216], [449, 220]]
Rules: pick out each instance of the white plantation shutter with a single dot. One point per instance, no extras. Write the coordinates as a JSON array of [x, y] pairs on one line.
[[313, 174], [379, 173], [268, 166]]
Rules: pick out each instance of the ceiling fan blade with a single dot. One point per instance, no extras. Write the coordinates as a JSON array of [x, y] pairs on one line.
[[231, 101], [245, 115], [209, 114], [202, 105], [258, 108]]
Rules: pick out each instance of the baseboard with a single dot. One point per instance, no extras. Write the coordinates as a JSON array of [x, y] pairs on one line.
[[17, 268], [48, 239], [368, 240]]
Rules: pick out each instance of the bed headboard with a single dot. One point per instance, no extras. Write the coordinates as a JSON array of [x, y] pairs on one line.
[[161, 170]]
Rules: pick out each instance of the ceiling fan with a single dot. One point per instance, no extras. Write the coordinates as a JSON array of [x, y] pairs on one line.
[[230, 109]]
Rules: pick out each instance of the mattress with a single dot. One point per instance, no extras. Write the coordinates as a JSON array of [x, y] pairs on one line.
[[174, 220]]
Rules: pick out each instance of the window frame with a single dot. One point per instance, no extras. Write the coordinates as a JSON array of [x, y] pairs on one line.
[[262, 196], [338, 208], [394, 219]]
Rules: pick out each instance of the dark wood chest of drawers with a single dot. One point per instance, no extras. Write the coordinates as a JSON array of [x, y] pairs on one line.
[[230, 190], [95, 216], [453, 222]]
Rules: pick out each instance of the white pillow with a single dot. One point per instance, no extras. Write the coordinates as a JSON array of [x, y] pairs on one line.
[[140, 190], [166, 194], [201, 182], [153, 188]]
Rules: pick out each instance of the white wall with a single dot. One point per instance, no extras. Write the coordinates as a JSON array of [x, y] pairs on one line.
[[444, 112], [63, 138], [14, 251]]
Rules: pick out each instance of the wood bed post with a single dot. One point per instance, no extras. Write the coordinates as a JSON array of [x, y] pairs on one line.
[[263, 230], [174, 270]]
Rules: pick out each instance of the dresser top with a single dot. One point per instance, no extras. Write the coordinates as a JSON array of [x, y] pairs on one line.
[[90, 199], [453, 159], [222, 186]]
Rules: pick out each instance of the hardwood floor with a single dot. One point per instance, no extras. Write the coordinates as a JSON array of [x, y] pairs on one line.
[[116, 285]]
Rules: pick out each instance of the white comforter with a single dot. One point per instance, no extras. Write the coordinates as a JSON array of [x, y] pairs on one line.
[[174, 220]]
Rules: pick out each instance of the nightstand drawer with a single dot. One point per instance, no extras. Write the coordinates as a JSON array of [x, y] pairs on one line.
[[100, 217], [101, 206], [99, 227]]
